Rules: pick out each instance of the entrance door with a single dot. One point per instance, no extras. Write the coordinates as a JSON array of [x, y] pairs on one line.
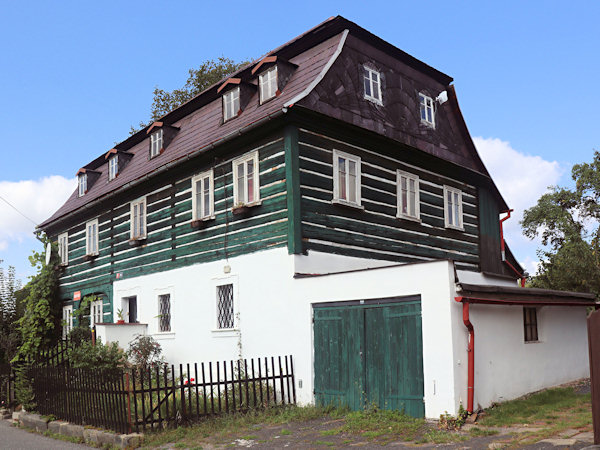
[[370, 353]]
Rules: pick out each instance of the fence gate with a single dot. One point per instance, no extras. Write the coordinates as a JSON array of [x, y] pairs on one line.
[[370, 352]]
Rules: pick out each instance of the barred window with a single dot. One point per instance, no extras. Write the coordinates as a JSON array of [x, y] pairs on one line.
[[225, 313], [164, 313], [530, 324]]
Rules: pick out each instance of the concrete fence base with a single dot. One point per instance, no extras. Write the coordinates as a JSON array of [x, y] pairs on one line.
[[89, 435]]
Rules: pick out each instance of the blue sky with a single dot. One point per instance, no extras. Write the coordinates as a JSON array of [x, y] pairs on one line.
[[76, 75]]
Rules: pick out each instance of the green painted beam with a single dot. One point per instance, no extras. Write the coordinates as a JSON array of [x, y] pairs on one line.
[[292, 177]]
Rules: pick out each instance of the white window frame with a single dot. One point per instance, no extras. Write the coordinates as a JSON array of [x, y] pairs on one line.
[[336, 178], [453, 222], [96, 312], [231, 104], [222, 281], [241, 198], [92, 247], [427, 105], [369, 79], [67, 320], [267, 84], [158, 298], [198, 202], [156, 143], [63, 248], [82, 184], [411, 215], [113, 167], [135, 231]]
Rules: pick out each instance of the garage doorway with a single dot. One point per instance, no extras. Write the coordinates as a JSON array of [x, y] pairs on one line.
[[370, 352]]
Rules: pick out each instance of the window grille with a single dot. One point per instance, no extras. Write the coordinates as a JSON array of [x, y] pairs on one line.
[[530, 324], [164, 313], [225, 315]]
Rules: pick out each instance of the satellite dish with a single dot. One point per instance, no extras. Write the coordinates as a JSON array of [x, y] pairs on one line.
[[48, 252]]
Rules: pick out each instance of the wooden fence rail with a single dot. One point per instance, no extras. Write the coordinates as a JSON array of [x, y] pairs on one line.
[[156, 397]]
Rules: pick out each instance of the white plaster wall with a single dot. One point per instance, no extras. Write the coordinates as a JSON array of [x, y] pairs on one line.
[[275, 312], [466, 276], [122, 334], [505, 366], [323, 263]]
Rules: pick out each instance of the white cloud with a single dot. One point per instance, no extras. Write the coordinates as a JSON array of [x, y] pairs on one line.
[[521, 179], [36, 199]]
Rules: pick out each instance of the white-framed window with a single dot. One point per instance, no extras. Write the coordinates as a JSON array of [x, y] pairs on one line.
[[96, 313], [164, 313], [113, 167], [203, 198], [225, 307], [346, 178], [138, 219], [427, 110], [156, 143], [231, 104], [63, 248], [453, 210], [67, 320], [82, 184], [267, 84], [408, 196], [372, 85], [246, 183], [91, 237]]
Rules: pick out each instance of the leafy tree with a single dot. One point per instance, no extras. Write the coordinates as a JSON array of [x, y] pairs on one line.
[[567, 220], [9, 335], [209, 73]]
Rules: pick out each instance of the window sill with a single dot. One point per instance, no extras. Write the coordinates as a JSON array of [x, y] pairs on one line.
[[225, 332], [452, 227], [337, 201], [201, 223], [244, 208], [374, 100], [164, 335], [90, 257], [532, 342], [428, 124], [411, 218], [136, 242]]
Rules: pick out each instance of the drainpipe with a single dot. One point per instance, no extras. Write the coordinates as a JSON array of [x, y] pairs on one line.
[[471, 354], [503, 249]]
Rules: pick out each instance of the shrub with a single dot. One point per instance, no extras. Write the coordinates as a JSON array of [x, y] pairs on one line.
[[144, 352], [99, 356]]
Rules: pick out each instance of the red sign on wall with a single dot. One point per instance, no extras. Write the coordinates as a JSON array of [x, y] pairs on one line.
[[76, 296]]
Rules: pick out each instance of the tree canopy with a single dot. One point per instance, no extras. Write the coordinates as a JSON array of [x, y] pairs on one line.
[[209, 73], [567, 220], [9, 313]]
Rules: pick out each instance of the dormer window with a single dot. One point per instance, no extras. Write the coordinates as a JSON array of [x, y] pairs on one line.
[[231, 104], [82, 179], [113, 167], [267, 84], [427, 111], [372, 85], [156, 143]]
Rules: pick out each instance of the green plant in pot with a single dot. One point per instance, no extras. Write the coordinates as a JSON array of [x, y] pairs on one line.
[[120, 316]]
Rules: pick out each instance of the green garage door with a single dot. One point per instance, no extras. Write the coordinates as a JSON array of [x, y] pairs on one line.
[[370, 352]]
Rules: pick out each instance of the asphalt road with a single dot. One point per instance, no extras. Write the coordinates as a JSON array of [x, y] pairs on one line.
[[16, 438]]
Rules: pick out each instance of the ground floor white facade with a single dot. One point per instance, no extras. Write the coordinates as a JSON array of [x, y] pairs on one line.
[[273, 298]]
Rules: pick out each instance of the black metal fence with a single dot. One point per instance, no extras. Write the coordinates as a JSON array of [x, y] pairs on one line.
[[157, 397], [7, 386]]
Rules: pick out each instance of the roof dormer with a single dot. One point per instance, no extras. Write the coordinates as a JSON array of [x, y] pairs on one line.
[[273, 74], [117, 160], [236, 96], [161, 136], [85, 180]]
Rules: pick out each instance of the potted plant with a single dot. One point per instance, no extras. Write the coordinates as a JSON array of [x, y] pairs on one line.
[[120, 316]]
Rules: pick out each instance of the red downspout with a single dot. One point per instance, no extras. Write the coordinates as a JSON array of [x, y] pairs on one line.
[[503, 250], [471, 353]]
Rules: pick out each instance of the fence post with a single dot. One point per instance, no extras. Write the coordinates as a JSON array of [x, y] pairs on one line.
[[128, 402]]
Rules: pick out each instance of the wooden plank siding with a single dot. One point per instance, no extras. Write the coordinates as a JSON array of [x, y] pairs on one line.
[[375, 231], [171, 241]]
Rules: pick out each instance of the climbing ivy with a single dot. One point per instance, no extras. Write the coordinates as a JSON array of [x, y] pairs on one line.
[[40, 324]]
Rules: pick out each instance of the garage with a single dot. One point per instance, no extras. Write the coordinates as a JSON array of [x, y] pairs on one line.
[[370, 352]]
